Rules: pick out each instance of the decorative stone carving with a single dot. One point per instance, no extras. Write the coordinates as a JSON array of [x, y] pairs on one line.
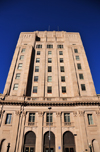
[[98, 112], [75, 113], [58, 114], [81, 113], [17, 112], [24, 113], [40, 113]]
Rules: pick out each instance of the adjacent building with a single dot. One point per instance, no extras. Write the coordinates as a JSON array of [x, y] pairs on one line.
[[49, 100]]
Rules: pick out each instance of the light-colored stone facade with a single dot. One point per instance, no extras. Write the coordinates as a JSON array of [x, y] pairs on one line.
[[72, 93]]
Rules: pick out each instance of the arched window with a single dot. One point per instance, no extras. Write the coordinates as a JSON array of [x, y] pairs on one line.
[[68, 142], [29, 142], [46, 142]]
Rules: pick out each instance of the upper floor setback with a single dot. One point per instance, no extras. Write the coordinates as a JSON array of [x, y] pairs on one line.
[[29, 38]]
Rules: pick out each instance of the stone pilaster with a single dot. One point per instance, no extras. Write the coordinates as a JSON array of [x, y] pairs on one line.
[[39, 137], [58, 138], [21, 139]]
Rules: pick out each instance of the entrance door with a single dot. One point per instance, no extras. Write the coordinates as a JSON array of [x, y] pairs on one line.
[[29, 149], [69, 149], [51, 150], [68, 142]]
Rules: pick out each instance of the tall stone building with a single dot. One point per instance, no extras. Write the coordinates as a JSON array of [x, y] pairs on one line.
[[49, 100]]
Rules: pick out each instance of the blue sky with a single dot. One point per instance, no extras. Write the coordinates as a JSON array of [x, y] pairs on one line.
[[81, 16]]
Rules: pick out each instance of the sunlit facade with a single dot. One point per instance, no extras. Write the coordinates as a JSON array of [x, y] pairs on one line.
[[49, 100]]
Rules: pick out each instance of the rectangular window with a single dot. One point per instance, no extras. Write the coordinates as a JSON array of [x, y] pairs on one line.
[[49, 78], [15, 87], [37, 69], [62, 78], [38, 52], [61, 60], [79, 66], [21, 57], [81, 76], [35, 78], [62, 69], [17, 76], [35, 89], [49, 117], [66, 117], [49, 69], [60, 52], [8, 119], [49, 89], [37, 60], [31, 117], [20, 66], [49, 52], [23, 50], [63, 89], [77, 58], [59, 46], [38, 46], [49, 46], [49, 60], [83, 87], [90, 119], [75, 50]]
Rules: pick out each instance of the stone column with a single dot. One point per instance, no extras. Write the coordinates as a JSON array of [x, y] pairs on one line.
[[83, 132], [14, 136], [21, 139], [39, 136], [58, 133]]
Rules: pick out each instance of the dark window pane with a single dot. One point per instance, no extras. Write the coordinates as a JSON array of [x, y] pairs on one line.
[[35, 78], [49, 52], [66, 117], [49, 117], [38, 46], [49, 46], [37, 69], [62, 78], [77, 58], [81, 76], [17, 75], [49, 89], [31, 117], [49, 60], [75, 50], [49, 69], [37, 60], [90, 119], [79, 66], [23, 50], [60, 46], [83, 87], [35, 89], [61, 60], [62, 69], [38, 52], [63, 89], [8, 119], [60, 52]]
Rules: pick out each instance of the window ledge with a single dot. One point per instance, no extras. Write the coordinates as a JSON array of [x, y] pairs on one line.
[[92, 125]]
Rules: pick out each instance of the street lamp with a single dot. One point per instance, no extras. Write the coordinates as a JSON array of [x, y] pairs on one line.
[[49, 127]]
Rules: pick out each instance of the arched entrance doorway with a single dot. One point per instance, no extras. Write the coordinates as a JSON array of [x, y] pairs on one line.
[[29, 142], [46, 142], [68, 142], [3, 146], [95, 146]]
